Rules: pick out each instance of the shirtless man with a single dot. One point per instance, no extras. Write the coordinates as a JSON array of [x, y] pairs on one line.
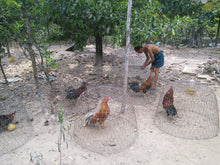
[[154, 57]]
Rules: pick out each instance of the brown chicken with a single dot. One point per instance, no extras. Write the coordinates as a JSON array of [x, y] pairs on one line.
[[5, 120], [75, 93], [101, 116], [144, 87], [168, 100]]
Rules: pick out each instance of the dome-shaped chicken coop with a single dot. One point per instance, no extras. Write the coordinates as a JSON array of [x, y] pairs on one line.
[[196, 108], [141, 98], [135, 73], [64, 90], [138, 75], [15, 126], [120, 128]]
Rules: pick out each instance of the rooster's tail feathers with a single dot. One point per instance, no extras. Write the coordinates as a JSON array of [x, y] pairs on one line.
[[171, 110], [89, 118]]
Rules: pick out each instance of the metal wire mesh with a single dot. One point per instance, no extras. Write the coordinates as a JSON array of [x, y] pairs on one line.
[[197, 112], [121, 128], [10, 140], [134, 71], [60, 90], [136, 59], [141, 98], [136, 74]]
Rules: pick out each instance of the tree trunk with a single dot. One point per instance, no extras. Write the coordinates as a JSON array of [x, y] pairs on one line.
[[32, 54], [6, 81], [125, 85], [200, 33], [8, 50], [99, 53], [31, 51], [216, 39], [194, 38]]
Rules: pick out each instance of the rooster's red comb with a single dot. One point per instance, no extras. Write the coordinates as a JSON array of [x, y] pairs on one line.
[[106, 98]]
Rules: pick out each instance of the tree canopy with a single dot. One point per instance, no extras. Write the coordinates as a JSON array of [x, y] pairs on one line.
[[168, 21]]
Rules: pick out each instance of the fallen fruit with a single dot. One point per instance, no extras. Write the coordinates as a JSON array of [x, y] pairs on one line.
[[11, 127]]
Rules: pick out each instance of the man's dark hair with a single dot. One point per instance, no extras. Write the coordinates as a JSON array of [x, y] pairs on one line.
[[137, 48]]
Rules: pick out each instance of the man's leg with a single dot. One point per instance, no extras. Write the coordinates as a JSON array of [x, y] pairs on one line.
[[152, 68], [156, 77]]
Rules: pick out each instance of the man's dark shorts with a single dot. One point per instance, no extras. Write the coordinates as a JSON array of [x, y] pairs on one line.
[[158, 60]]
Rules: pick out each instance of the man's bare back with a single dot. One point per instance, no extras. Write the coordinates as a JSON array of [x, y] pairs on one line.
[[151, 48]]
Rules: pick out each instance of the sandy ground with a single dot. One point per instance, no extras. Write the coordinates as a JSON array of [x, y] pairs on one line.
[[151, 146]]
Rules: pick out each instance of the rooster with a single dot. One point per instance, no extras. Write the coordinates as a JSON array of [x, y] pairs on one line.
[[147, 85], [5, 120], [168, 100], [101, 116], [136, 87], [75, 93]]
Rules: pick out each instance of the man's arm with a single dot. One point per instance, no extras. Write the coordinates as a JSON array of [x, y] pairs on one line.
[[151, 56], [147, 62]]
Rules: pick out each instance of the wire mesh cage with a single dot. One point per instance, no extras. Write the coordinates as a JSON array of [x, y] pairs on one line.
[[138, 75], [120, 129], [64, 90], [135, 63], [142, 98], [197, 111], [135, 72], [15, 125], [136, 59]]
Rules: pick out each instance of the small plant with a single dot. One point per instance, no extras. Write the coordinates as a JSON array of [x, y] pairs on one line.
[[62, 133], [37, 158], [51, 63], [46, 54]]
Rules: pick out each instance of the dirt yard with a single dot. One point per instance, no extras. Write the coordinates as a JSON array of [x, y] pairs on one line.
[[151, 146]]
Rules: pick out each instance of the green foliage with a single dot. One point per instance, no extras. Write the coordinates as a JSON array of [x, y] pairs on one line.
[[170, 21], [211, 32], [81, 19], [12, 25], [61, 115], [56, 33], [46, 54], [8, 24], [51, 62], [176, 7], [145, 22]]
